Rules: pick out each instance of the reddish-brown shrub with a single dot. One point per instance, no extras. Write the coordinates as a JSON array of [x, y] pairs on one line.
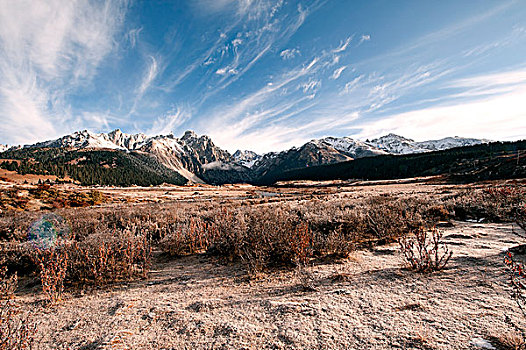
[[53, 264], [424, 251], [109, 257], [517, 276], [8, 284], [189, 237]]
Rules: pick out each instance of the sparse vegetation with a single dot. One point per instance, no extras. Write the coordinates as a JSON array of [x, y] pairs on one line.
[[290, 237], [517, 279], [52, 264], [109, 245], [424, 251], [16, 331]]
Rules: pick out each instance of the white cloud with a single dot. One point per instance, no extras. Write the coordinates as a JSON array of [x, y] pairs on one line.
[[48, 48], [149, 76], [365, 37], [350, 86], [166, 124], [491, 80], [311, 86], [498, 117], [337, 72], [343, 45], [289, 54], [226, 71], [229, 123], [133, 36], [269, 32], [150, 73]]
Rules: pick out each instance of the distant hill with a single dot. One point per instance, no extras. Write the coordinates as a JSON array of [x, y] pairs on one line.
[[496, 160], [93, 167], [117, 158]]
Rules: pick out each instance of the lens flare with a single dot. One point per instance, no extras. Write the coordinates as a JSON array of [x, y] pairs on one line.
[[45, 232]]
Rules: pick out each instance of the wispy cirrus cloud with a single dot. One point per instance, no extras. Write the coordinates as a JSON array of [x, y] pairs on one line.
[[364, 38], [149, 76], [48, 48], [337, 72], [343, 45], [151, 71], [133, 36], [165, 124], [289, 54], [493, 117]]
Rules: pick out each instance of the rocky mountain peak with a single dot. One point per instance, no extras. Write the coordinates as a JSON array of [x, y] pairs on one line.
[[189, 135], [246, 158]]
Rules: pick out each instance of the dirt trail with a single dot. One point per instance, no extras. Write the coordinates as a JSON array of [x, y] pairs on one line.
[[197, 303]]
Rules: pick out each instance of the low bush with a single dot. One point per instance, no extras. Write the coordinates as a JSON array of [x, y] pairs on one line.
[[423, 251], [109, 257], [52, 264], [517, 278]]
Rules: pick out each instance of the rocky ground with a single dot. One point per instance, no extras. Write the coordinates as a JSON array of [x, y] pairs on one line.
[[368, 301]]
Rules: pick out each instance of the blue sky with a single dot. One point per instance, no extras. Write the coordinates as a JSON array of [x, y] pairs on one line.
[[263, 75]]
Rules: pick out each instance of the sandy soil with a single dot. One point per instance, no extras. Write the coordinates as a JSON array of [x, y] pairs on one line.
[[366, 302]]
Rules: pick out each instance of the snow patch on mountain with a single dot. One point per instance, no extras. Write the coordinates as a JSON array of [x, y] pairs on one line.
[[196, 157], [449, 142], [246, 158], [396, 144], [87, 139], [350, 147]]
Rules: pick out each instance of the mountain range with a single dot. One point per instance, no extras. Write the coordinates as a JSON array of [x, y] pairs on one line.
[[199, 160]]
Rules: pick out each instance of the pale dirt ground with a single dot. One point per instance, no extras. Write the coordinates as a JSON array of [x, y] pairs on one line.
[[197, 303], [292, 191]]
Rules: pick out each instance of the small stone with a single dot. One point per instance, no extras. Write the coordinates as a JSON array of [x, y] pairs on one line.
[[481, 343]]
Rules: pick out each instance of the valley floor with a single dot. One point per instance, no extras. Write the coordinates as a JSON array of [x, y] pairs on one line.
[[365, 302]]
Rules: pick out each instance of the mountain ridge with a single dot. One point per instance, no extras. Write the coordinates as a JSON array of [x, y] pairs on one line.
[[199, 160]]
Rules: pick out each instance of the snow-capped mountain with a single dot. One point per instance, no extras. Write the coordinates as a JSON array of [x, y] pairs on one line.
[[449, 142], [87, 139], [350, 147], [395, 144], [186, 155], [310, 154], [246, 158], [199, 160], [123, 140]]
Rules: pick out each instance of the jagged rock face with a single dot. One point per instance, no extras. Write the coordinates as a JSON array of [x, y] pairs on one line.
[[352, 148], [123, 140], [395, 144], [203, 149], [246, 158], [310, 154], [198, 159], [171, 153]]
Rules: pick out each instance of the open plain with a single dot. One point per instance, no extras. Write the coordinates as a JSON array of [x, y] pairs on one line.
[[195, 294]]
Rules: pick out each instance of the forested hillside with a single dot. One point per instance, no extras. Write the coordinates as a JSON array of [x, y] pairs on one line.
[[92, 167], [497, 160]]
